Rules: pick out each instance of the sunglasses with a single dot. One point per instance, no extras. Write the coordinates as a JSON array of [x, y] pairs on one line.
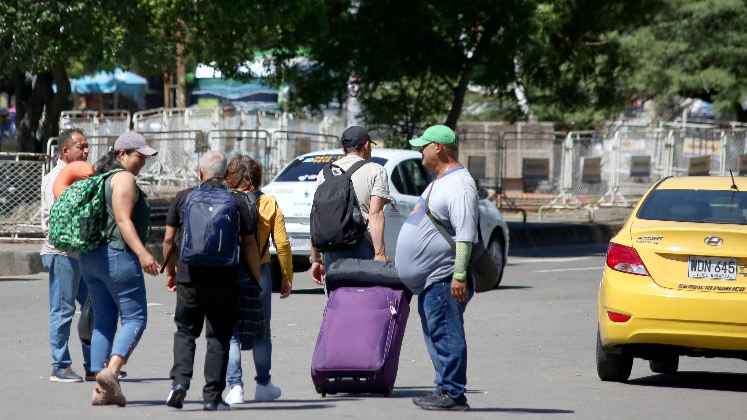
[[424, 146]]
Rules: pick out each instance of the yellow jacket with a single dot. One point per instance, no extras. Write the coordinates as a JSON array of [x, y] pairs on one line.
[[271, 222]]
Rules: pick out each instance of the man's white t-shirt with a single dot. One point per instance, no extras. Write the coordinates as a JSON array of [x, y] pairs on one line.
[[370, 179]]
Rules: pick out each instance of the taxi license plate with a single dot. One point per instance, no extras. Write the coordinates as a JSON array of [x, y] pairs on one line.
[[300, 242], [712, 268]]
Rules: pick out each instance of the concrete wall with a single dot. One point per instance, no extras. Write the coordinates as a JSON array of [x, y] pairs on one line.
[[522, 140]]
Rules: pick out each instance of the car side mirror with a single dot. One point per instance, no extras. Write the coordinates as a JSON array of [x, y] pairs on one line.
[[482, 193]]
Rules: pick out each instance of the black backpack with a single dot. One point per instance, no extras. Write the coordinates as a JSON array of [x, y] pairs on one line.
[[252, 198], [337, 223]]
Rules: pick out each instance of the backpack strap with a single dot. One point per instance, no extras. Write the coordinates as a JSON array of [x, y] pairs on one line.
[[357, 165]]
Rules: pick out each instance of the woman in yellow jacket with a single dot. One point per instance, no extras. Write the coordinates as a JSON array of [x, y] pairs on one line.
[[245, 174]]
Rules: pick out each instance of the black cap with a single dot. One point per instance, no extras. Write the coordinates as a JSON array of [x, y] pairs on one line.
[[355, 136]]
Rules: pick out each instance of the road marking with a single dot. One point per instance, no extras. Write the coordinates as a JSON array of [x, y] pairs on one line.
[[568, 269], [545, 260], [154, 304]]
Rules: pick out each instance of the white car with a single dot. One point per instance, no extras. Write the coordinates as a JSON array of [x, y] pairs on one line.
[[295, 185]]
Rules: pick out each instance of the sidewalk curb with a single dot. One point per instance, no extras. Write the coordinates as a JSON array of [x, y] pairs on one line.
[[25, 262], [541, 235]]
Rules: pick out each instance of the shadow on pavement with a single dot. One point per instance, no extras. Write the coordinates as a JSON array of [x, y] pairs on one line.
[[145, 380], [316, 291], [714, 381], [522, 410], [512, 287], [21, 278]]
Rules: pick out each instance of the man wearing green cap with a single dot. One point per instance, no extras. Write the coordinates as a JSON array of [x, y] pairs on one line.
[[430, 268]]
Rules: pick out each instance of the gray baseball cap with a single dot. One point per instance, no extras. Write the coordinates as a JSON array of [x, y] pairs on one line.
[[133, 140]]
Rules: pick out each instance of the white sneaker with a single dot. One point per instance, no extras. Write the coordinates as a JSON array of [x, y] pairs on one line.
[[267, 392], [235, 395]]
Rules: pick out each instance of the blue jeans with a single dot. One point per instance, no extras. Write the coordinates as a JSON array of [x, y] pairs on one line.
[[442, 318], [115, 281], [65, 288], [262, 351], [364, 251]]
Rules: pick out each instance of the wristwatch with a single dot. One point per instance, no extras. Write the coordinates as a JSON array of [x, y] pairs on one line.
[[314, 260]]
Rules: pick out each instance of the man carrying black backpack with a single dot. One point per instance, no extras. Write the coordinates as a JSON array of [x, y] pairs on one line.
[[347, 215], [218, 233]]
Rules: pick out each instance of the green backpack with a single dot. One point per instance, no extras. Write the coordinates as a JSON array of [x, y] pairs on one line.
[[77, 217]]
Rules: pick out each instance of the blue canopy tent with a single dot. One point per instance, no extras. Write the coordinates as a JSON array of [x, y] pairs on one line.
[[122, 82]]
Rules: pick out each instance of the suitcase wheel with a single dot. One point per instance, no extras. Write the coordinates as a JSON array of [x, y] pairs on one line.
[[321, 391], [386, 392]]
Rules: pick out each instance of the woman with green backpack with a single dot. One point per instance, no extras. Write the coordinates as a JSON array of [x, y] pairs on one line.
[[114, 270]]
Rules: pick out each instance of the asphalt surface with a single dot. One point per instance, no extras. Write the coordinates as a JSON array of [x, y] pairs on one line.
[[531, 355]]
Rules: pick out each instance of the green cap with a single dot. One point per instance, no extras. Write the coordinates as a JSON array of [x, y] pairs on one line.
[[435, 134]]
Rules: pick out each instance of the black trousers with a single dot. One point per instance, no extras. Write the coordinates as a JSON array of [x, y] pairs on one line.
[[215, 305]]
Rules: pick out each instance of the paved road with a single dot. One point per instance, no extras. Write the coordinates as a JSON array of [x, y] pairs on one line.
[[531, 349]]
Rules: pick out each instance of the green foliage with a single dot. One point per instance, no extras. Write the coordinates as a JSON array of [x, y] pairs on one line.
[[692, 49]]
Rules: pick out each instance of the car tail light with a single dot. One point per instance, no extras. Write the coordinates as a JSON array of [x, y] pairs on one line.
[[625, 259], [616, 317]]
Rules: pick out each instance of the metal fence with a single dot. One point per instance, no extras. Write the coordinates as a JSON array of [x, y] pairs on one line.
[[20, 193], [97, 123]]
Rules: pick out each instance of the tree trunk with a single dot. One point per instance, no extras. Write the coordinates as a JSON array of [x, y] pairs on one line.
[[458, 102], [28, 126], [59, 103], [22, 92]]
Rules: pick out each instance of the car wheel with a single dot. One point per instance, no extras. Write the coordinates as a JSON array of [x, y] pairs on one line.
[[495, 249], [665, 364], [612, 367]]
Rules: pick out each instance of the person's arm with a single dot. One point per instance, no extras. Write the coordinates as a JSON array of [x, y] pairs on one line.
[[317, 268], [168, 247], [282, 245], [376, 222], [124, 195], [251, 252]]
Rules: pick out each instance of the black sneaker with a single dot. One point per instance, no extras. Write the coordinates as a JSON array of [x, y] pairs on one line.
[[443, 402]]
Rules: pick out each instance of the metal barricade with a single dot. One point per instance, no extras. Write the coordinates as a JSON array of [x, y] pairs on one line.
[[483, 155], [175, 167], [97, 123], [533, 167], [254, 143], [735, 146], [20, 193], [287, 145], [581, 173]]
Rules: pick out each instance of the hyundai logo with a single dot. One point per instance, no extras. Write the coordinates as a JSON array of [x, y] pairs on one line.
[[713, 240]]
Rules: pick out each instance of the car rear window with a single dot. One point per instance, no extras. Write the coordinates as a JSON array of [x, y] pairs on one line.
[[700, 206], [307, 168]]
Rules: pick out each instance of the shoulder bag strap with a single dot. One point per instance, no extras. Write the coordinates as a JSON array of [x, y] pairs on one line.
[[436, 223]]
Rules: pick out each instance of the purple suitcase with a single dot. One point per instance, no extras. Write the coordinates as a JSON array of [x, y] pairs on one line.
[[359, 342]]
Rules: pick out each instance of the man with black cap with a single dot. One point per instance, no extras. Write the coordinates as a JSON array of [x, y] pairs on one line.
[[371, 184]]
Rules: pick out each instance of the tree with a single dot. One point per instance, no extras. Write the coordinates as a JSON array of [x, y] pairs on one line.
[[40, 40], [693, 49]]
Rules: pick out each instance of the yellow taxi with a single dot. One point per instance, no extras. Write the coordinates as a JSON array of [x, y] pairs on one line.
[[675, 281]]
